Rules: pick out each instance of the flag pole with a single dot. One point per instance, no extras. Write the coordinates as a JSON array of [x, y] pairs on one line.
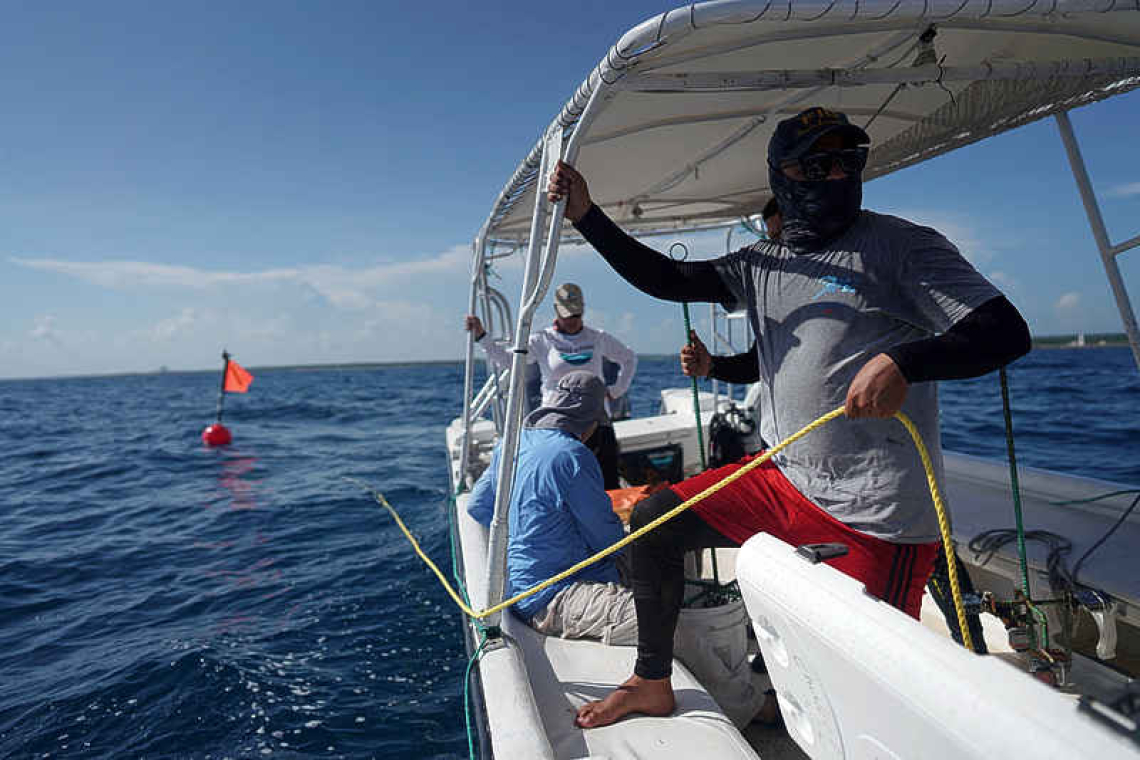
[[222, 387], [217, 434]]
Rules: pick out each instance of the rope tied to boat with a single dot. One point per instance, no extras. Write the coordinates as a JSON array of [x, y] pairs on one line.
[[928, 466]]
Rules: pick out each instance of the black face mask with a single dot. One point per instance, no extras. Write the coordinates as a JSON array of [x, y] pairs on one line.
[[815, 212]]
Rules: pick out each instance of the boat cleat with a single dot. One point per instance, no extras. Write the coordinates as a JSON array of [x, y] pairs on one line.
[[1103, 612], [1052, 671]]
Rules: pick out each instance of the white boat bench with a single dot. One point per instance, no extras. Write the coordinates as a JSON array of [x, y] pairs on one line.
[[534, 685]]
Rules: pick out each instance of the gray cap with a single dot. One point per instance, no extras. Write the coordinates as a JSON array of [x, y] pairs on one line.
[[568, 300], [578, 401]]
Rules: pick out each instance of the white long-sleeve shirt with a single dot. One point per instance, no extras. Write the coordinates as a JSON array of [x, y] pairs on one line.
[[557, 354]]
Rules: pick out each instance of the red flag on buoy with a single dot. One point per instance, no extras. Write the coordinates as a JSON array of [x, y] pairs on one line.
[[237, 378]]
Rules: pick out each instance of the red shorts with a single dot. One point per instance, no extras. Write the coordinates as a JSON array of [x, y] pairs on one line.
[[764, 501]]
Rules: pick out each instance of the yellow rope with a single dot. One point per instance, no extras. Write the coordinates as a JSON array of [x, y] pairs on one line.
[[667, 516], [447, 586], [943, 528], [943, 523]]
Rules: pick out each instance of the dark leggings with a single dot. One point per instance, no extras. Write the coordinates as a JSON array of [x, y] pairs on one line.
[[658, 560], [605, 447], [940, 591]]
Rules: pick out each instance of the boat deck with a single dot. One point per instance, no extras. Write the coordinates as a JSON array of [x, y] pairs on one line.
[[564, 674]]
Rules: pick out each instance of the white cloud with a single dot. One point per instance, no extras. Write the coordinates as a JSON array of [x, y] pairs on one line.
[[1003, 279], [167, 330], [1123, 191], [343, 287], [565, 251], [46, 331], [135, 274], [408, 323], [626, 324], [596, 318], [1068, 301]]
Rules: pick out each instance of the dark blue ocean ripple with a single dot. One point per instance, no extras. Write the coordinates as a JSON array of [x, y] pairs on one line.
[[1073, 410], [161, 599]]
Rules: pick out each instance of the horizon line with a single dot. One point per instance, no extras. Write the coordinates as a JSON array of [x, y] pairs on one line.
[[1039, 341]]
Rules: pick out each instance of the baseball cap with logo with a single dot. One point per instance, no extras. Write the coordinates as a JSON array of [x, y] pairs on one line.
[[568, 300], [795, 136]]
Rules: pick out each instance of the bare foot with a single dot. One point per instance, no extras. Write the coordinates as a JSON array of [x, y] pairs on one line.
[[640, 695]]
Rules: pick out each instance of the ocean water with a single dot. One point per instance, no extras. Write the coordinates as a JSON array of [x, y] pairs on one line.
[[159, 599]]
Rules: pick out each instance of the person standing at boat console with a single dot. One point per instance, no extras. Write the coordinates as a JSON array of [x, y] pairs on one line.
[[851, 308], [564, 347]]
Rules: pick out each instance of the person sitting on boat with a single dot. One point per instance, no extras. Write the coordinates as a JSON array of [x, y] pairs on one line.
[[851, 308], [560, 514], [566, 346]]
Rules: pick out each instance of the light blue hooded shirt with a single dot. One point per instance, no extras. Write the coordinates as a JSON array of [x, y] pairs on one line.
[[560, 515]]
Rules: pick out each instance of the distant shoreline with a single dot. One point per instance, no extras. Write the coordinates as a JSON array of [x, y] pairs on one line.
[[252, 369], [1101, 344], [1091, 340], [1081, 340]]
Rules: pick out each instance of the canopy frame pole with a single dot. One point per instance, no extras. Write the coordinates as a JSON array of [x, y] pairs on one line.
[[497, 302], [499, 529], [1108, 252], [489, 324], [793, 79], [714, 342], [487, 394], [477, 276], [535, 285]]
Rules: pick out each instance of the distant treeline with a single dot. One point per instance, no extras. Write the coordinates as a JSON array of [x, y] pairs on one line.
[[1074, 340]]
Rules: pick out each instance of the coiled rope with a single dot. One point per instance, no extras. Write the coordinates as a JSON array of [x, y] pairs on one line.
[[936, 497]]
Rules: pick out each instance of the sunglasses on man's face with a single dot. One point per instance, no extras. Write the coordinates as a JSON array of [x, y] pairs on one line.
[[819, 164]]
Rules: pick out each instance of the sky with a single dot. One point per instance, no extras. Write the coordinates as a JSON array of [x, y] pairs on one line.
[[300, 183]]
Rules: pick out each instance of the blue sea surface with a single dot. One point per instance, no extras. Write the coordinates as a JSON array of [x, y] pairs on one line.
[[160, 599]]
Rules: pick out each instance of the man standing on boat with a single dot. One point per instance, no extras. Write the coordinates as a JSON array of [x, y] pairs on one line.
[[566, 346], [851, 308]]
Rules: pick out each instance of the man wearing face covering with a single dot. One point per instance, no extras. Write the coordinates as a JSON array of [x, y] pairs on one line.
[[850, 308]]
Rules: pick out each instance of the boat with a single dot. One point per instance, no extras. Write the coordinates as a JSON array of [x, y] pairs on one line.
[[667, 127]]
